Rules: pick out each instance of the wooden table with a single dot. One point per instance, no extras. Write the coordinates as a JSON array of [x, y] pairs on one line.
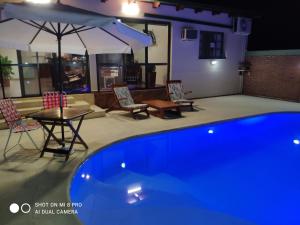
[[53, 117], [162, 106]]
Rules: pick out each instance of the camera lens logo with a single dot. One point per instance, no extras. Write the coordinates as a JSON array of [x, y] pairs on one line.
[[25, 208], [14, 208]]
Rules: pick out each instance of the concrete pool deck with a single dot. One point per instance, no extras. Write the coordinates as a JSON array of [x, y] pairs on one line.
[[26, 178]]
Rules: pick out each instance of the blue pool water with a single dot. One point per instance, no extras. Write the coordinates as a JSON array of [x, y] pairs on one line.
[[238, 172]]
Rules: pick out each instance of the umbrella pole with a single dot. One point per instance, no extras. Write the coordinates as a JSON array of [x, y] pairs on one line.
[[2, 81], [61, 83]]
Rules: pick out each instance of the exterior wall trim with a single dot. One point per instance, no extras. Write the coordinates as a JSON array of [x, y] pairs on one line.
[[288, 52]]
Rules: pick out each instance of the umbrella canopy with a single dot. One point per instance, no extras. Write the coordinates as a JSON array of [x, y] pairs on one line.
[[36, 28], [62, 28]]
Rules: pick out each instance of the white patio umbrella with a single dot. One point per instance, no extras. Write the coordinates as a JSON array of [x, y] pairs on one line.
[[39, 28], [65, 29], [62, 28]]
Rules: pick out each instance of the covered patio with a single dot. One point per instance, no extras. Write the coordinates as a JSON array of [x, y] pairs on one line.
[[27, 178]]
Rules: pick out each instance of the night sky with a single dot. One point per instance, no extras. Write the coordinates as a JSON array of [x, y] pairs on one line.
[[278, 26]]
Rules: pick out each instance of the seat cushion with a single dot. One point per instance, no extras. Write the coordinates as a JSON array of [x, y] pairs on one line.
[[176, 91], [26, 125], [136, 106], [183, 101], [123, 95]]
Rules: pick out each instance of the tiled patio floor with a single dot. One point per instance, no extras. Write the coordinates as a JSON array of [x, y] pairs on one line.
[[27, 178]]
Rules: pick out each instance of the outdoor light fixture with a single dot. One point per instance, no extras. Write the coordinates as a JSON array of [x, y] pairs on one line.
[[156, 4], [39, 1], [213, 62], [130, 8]]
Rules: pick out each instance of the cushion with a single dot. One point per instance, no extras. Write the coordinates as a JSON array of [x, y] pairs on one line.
[[136, 106], [176, 91], [123, 96]]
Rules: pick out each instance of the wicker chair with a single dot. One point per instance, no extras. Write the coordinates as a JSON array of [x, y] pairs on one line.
[[177, 95], [125, 101]]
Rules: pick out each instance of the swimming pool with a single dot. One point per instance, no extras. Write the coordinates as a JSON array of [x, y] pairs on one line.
[[238, 172]]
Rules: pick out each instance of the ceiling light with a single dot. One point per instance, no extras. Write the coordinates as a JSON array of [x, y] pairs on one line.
[[130, 8], [156, 4], [39, 1]]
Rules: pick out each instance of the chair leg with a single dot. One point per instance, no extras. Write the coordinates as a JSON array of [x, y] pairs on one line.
[[147, 112], [10, 131], [109, 109], [133, 114], [21, 134], [32, 140], [44, 134]]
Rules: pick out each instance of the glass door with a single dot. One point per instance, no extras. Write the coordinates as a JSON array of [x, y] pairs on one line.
[[29, 76], [2, 94]]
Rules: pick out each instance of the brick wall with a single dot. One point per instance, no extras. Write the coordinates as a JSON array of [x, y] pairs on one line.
[[274, 76]]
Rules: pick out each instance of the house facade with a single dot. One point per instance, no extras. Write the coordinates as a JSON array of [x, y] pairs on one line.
[[198, 47]]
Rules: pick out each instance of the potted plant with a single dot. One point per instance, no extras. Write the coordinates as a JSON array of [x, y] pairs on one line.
[[6, 70]]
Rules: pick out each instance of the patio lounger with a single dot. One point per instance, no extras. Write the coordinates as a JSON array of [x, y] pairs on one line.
[[177, 95], [125, 101]]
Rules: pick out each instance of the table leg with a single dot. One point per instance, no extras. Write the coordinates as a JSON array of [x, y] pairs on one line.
[[62, 134], [50, 133], [178, 111], [161, 113], [76, 135]]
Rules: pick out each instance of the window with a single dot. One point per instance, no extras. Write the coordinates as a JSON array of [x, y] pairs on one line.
[[144, 68], [211, 45], [33, 73]]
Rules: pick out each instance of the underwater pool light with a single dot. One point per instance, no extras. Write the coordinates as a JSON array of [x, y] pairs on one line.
[[296, 141], [134, 190]]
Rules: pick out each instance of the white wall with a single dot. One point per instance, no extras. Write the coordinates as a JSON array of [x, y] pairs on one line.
[[198, 76]]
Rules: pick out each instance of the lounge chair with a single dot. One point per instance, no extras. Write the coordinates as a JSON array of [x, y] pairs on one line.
[[125, 101], [16, 123], [177, 95]]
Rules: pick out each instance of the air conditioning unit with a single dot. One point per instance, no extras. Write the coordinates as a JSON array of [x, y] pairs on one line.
[[242, 25], [188, 34]]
